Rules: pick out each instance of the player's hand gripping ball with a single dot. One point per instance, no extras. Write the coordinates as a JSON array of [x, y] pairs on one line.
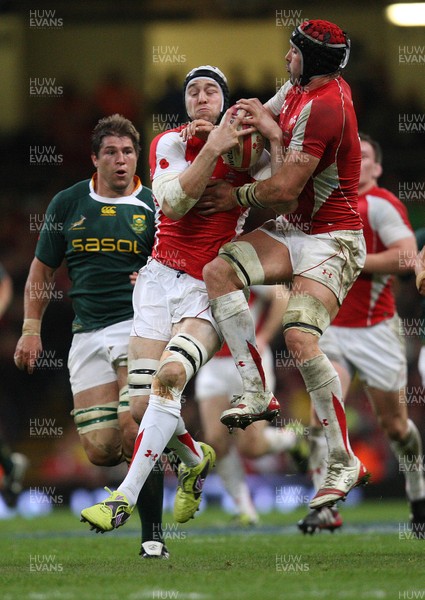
[[243, 156]]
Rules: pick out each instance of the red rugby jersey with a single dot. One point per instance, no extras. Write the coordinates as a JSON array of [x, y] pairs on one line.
[[371, 299], [323, 123], [191, 242]]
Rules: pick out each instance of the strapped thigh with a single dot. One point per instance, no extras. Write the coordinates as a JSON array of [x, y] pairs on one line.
[[306, 313], [188, 351], [102, 416], [244, 260], [140, 373]]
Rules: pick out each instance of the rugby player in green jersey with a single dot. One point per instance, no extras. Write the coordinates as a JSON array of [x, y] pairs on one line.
[[13, 464], [104, 229]]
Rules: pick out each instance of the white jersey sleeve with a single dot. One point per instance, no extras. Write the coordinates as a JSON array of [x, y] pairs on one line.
[[276, 102], [386, 220], [170, 151]]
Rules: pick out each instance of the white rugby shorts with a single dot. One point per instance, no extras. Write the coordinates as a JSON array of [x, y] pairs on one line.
[[376, 353], [95, 355], [334, 259], [220, 377], [162, 297]]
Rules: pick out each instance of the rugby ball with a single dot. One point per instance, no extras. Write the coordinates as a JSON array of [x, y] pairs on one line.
[[243, 156]]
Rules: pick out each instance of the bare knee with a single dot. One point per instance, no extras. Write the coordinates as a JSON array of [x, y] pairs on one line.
[[171, 375], [248, 450], [217, 271], [219, 441], [103, 450], [138, 406], [252, 442], [213, 270], [129, 429], [301, 345], [394, 427]]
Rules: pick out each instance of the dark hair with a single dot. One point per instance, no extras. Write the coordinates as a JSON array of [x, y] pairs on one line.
[[114, 125], [364, 137]]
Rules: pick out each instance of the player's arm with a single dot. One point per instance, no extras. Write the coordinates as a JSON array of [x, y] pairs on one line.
[[6, 292], [29, 347], [177, 193], [420, 272], [396, 259], [218, 197], [389, 220], [281, 191]]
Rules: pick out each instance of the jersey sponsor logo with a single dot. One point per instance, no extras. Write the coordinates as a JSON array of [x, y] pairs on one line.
[[78, 224], [139, 223], [108, 211], [106, 245]]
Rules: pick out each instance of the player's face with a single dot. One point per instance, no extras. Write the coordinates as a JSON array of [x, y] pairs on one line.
[[370, 170], [116, 166], [204, 100], [293, 64]]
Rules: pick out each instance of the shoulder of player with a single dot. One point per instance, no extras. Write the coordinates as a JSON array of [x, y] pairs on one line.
[[67, 197], [383, 194], [169, 136], [383, 207], [328, 97], [146, 196], [82, 188]]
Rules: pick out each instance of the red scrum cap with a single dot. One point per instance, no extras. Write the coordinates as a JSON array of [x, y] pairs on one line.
[[324, 48]]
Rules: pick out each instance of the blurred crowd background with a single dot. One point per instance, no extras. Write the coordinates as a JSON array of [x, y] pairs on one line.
[[64, 65]]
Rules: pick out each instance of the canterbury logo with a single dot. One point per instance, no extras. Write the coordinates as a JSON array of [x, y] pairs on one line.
[[108, 211]]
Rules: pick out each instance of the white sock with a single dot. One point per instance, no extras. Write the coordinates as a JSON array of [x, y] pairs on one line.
[[279, 439], [232, 313], [187, 449], [318, 455], [323, 385], [156, 428], [232, 473], [410, 457]]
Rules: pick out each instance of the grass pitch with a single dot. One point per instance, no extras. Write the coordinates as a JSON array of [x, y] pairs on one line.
[[57, 557]]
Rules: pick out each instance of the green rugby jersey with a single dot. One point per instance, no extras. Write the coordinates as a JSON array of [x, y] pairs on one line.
[[103, 240]]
